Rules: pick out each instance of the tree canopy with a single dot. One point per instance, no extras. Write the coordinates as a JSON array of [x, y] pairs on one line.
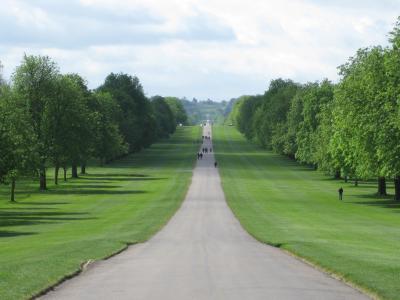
[[350, 129], [53, 119]]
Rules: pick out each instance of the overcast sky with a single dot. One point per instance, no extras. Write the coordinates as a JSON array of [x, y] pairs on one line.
[[216, 49]]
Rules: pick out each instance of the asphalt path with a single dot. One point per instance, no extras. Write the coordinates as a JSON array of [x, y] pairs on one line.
[[203, 253]]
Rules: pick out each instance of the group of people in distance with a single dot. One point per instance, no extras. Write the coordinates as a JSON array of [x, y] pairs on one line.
[[205, 149]]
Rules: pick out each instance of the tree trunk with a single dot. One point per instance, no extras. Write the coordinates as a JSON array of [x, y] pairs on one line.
[[42, 178], [74, 171], [337, 174], [12, 190], [56, 168], [397, 188], [346, 179], [83, 169], [356, 182], [382, 186], [65, 173]]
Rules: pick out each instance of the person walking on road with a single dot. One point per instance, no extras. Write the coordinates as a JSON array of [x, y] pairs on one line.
[[340, 193], [215, 164]]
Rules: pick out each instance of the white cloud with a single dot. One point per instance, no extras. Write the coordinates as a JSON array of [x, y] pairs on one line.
[[209, 48]]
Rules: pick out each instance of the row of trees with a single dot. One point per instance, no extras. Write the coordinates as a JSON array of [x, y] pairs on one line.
[[350, 129], [53, 119]]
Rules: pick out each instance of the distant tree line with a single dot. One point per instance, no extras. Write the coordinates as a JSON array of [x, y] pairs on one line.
[[53, 119], [350, 129], [200, 110]]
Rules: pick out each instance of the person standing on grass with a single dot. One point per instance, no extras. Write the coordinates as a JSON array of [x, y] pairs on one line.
[[340, 193]]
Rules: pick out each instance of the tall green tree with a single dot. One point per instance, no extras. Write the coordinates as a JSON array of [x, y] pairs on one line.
[[270, 118], [388, 148], [164, 117], [128, 93], [34, 81], [17, 140], [68, 124], [360, 120], [314, 97], [246, 109], [177, 109], [294, 119], [108, 142]]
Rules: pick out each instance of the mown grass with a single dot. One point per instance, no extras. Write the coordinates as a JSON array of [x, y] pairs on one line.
[[46, 236], [283, 203]]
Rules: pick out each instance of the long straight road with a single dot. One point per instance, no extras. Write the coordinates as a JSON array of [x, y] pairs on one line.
[[203, 253]]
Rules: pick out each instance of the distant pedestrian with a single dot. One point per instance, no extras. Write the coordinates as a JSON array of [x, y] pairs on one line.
[[215, 164], [340, 193], [201, 155]]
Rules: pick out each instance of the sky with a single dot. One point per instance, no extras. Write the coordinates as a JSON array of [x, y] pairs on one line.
[[217, 49]]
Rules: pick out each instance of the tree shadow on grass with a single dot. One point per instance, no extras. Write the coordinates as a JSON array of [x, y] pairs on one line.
[[42, 203], [378, 201], [87, 186], [6, 234], [94, 192], [99, 179], [114, 175], [24, 218], [27, 208]]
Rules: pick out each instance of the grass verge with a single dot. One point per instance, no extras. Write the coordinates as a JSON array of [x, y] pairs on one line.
[[285, 204], [47, 236]]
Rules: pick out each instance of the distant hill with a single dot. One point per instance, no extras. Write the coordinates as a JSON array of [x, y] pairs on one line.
[[198, 111]]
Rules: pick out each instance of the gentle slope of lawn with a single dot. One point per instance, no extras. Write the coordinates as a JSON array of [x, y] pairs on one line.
[[46, 236], [293, 207]]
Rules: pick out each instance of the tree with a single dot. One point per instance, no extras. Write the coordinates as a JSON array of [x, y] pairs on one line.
[[248, 105], [67, 123], [108, 142], [177, 109], [17, 140], [164, 117], [314, 97], [388, 148], [294, 119], [34, 81], [128, 93], [270, 118], [362, 126]]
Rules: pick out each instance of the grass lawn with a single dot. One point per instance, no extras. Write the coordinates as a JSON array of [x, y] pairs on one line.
[[283, 203], [46, 236]]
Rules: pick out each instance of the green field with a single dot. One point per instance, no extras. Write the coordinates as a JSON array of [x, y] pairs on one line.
[[293, 207], [46, 236]]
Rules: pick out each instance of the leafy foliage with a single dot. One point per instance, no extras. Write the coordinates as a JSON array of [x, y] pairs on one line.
[[48, 118], [350, 129]]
